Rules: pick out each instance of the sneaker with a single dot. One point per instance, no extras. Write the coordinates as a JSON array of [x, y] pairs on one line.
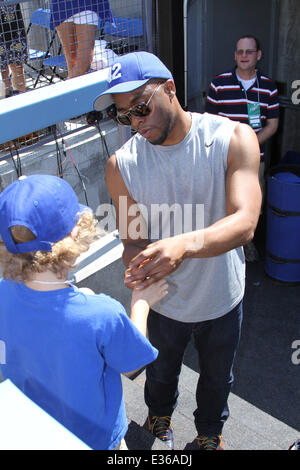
[[161, 427], [210, 442]]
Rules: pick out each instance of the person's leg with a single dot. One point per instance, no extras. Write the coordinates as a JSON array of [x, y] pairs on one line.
[[5, 79], [67, 36], [216, 342], [85, 39], [17, 77], [170, 337]]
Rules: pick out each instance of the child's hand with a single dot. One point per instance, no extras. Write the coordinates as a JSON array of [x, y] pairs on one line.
[[151, 294], [143, 299]]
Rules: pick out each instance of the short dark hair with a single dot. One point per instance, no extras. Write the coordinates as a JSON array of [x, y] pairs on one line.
[[157, 81], [250, 36]]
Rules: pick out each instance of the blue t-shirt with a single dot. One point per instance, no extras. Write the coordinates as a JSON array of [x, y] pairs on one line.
[[66, 350]]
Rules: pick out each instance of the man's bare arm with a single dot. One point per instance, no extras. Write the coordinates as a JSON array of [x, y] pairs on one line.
[[123, 201], [243, 203]]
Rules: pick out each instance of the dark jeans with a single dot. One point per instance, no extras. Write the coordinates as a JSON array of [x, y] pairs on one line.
[[216, 342]]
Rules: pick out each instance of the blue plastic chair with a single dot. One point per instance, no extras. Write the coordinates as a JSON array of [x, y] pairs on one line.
[[42, 17], [59, 61], [124, 27]]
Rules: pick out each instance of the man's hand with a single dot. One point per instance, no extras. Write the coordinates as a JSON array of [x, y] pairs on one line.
[[157, 261], [268, 131]]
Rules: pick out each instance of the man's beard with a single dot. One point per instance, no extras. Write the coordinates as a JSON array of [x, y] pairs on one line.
[[165, 131]]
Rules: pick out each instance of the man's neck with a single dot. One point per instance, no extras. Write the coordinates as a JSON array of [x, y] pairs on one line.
[[181, 128], [246, 74]]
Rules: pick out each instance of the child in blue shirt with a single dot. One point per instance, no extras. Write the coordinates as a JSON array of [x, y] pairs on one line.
[[65, 349]]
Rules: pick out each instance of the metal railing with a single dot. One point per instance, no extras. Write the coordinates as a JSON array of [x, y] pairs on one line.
[[43, 42]]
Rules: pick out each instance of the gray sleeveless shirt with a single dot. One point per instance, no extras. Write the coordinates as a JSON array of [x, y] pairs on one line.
[[186, 182]]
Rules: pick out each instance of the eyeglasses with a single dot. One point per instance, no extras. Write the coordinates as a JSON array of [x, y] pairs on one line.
[[247, 51], [140, 110]]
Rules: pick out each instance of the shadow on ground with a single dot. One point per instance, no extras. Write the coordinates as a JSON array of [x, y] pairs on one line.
[[265, 375]]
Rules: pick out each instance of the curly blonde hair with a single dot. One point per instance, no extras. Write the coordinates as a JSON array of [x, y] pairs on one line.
[[21, 267]]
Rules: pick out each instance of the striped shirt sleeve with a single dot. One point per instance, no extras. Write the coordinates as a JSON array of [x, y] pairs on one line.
[[211, 105]]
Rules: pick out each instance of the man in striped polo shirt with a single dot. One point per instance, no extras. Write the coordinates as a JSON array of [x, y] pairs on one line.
[[230, 93], [236, 94]]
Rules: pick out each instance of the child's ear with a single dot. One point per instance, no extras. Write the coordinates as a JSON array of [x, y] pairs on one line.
[[74, 233]]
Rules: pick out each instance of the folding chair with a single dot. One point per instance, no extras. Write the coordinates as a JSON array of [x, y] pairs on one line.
[[42, 17], [56, 62], [124, 27], [105, 18], [124, 34]]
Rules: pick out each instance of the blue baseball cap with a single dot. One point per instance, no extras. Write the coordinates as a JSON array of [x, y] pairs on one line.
[[45, 204], [128, 72]]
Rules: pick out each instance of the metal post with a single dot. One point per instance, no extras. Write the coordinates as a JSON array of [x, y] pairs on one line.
[[185, 17]]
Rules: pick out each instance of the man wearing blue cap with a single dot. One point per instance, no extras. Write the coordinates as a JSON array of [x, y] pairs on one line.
[[183, 164], [65, 348]]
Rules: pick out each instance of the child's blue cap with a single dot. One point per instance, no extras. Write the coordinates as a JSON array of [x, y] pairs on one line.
[[45, 204], [131, 71]]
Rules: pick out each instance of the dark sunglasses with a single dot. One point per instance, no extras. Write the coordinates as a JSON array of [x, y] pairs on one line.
[[139, 110]]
